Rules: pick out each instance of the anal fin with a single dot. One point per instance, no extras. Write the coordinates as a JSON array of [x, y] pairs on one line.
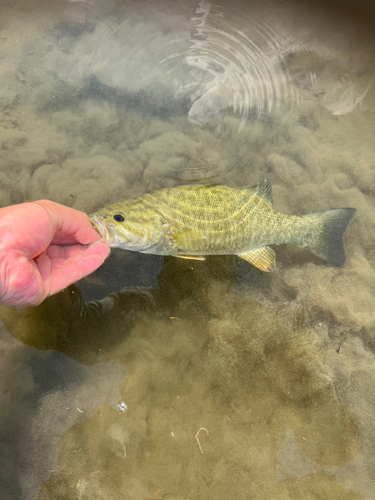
[[262, 258]]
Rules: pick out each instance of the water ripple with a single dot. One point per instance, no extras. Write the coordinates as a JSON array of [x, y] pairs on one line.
[[233, 69]]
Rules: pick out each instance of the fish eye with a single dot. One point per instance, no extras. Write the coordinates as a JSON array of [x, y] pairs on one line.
[[119, 218]]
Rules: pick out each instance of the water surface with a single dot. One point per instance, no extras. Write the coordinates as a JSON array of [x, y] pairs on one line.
[[177, 379]]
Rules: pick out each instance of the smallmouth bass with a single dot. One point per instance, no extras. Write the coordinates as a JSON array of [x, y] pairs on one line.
[[195, 221]]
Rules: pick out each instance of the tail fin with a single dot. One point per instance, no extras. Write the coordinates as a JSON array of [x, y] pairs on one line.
[[328, 243]]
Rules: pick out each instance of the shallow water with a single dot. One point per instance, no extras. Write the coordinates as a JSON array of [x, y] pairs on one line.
[[170, 378]]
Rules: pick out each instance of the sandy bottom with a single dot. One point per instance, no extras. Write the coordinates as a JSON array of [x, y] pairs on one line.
[[191, 379]]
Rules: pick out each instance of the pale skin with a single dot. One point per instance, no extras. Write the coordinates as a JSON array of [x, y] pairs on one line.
[[34, 261]]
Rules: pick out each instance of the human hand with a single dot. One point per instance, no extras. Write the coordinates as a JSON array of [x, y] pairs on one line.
[[33, 264]]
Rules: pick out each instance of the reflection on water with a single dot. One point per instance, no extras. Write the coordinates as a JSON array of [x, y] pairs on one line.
[[236, 382]]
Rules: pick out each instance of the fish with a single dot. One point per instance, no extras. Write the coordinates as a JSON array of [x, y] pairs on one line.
[[194, 221]]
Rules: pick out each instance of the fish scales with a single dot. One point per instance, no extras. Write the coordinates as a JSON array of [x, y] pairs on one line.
[[230, 218], [217, 219], [216, 210], [192, 221]]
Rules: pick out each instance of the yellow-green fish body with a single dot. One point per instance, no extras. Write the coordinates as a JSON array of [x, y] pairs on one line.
[[194, 221]]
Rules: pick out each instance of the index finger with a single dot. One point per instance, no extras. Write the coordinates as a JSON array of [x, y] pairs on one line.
[[71, 225]]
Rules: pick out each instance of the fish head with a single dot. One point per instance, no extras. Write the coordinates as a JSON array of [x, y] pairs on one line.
[[124, 227]]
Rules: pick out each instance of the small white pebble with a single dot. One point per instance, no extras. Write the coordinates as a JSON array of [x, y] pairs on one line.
[[122, 407]]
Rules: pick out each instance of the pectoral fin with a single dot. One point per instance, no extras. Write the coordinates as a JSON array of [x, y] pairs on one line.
[[187, 238], [192, 257], [263, 258]]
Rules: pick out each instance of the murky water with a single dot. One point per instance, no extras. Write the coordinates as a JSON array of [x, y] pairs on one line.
[[178, 379]]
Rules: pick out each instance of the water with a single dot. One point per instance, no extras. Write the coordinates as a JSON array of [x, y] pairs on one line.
[[235, 383]]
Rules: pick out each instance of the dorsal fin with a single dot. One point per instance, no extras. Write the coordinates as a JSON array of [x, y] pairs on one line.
[[264, 190]]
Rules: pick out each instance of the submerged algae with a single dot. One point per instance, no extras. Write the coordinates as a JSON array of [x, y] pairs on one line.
[[70, 139], [201, 356]]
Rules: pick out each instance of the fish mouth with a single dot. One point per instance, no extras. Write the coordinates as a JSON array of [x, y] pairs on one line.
[[106, 233]]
